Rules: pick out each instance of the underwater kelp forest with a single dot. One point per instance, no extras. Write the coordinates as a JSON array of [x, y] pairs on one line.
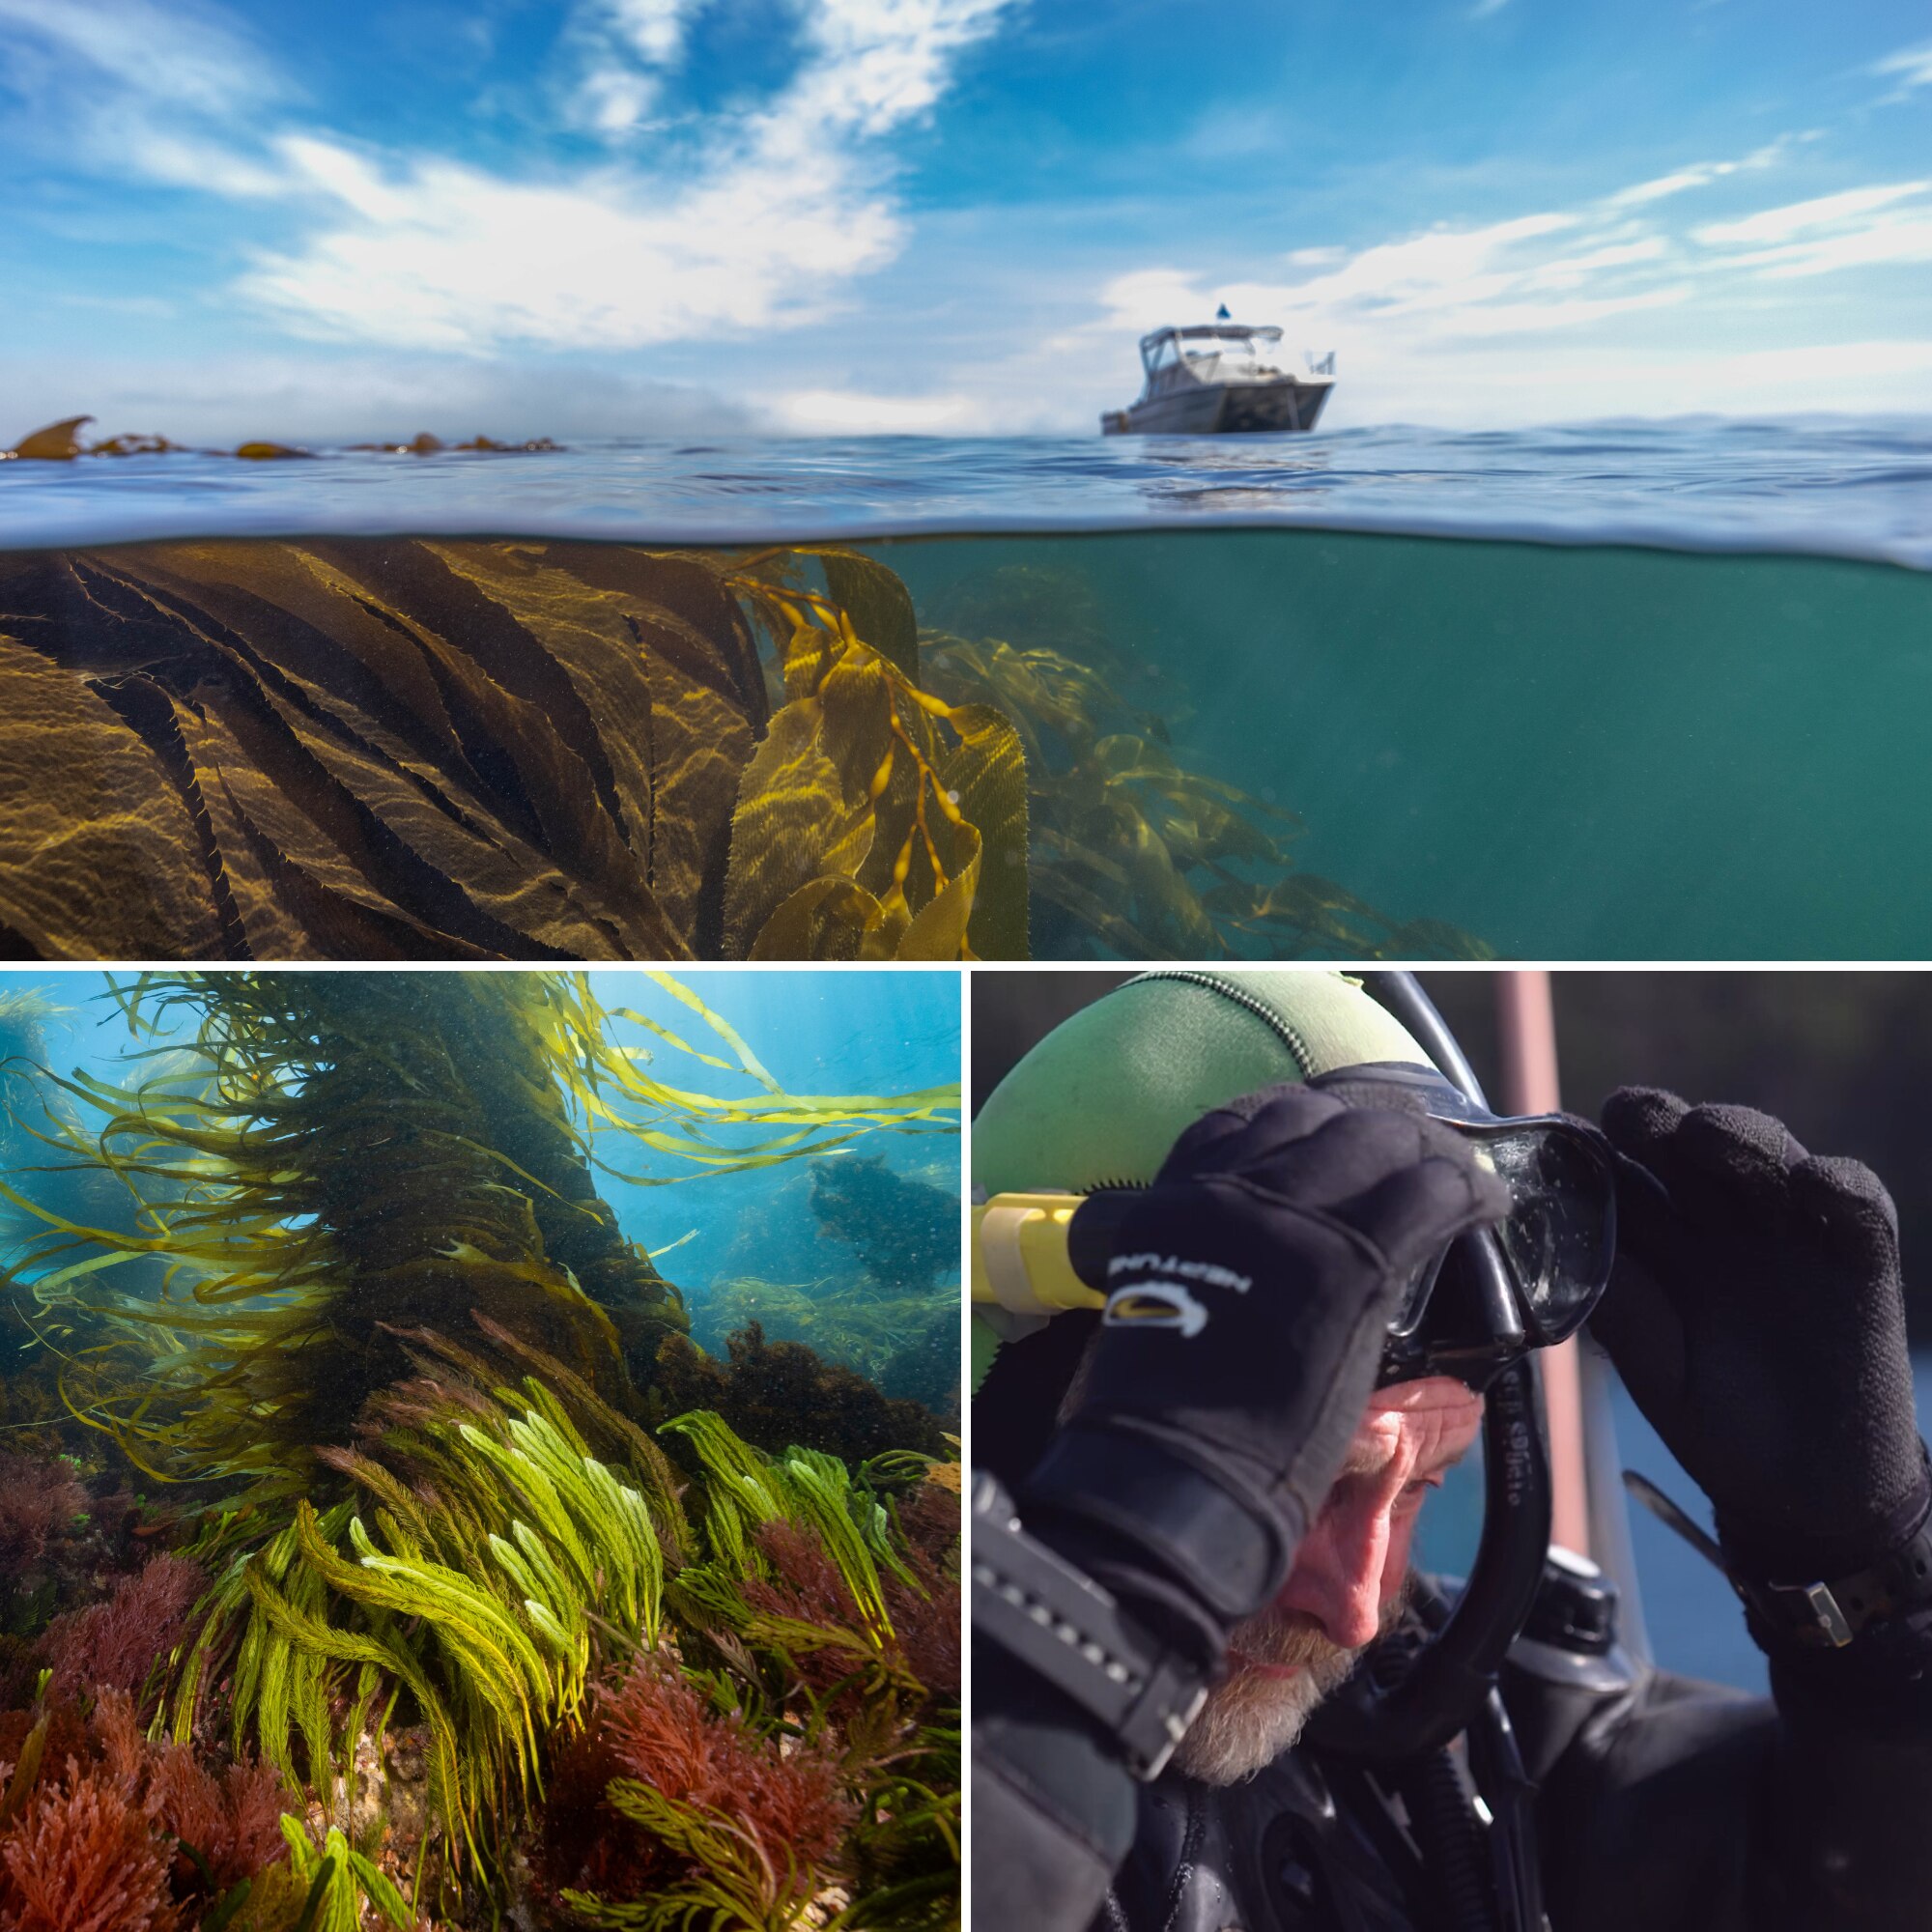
[[379, 1547], [398, 749]]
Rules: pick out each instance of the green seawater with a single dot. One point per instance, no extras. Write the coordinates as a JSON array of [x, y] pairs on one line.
[[1567, 752]]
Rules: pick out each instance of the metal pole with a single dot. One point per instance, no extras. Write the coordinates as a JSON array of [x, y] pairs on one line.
[[1526, 1021]]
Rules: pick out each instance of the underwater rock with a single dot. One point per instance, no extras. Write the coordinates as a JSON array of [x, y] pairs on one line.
[[906, 1344], [269, 452], [773, 1393], [906, 1231]]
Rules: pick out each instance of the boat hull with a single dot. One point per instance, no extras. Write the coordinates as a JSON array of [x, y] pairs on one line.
[[1224, 408]]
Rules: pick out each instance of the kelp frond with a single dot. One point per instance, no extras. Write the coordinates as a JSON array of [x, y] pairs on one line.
[[877, 820], [520, 750]]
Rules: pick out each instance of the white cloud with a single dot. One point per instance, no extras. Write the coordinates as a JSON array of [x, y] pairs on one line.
[[1862, 228], [653, 29], [1824, 211], [1909, 68], [626, 48], [442, 256], [1703, 173], [180, 54], [766, 224], [148, 89], [1667, 185], [1447, 280]]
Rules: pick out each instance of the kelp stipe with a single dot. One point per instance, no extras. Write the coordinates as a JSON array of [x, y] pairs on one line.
[[340, 1147]]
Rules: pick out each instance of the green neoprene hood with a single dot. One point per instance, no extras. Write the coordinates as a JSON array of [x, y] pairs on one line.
[[1107, 1093]]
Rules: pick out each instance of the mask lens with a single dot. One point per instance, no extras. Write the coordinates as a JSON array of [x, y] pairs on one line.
[[1560, 1237]]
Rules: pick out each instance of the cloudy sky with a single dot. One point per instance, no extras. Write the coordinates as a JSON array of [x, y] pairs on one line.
[[274, 218]]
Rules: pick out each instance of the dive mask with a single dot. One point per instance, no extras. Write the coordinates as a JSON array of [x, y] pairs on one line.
[[1533, 1279], [1484, 1302]]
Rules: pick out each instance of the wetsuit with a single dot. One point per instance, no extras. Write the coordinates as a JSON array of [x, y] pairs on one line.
[[1662, 1803]]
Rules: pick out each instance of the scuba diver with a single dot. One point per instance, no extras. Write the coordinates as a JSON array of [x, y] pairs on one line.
[[1257, 1269]]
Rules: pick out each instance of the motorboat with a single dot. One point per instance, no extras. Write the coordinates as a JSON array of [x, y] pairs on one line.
[[1219, 379]]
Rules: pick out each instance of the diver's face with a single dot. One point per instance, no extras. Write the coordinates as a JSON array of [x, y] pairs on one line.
[[1348, 1584]]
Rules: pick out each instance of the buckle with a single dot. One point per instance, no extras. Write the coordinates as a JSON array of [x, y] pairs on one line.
[[1808, 1612]]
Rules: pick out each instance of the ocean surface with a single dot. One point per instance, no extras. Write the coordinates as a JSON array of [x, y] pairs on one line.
[[1623, 691], [1820, 486]]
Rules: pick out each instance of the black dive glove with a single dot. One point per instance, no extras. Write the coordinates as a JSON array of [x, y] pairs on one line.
[[1250, 1289], [1757, 1317]]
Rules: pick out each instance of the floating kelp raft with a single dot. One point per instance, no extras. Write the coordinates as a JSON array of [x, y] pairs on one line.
[[366, 1559], [377, 749]]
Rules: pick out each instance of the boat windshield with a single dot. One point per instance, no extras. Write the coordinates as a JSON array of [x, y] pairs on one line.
[[1220, 350]]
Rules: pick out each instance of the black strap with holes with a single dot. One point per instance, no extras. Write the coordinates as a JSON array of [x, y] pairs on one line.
[[1043, 1612]]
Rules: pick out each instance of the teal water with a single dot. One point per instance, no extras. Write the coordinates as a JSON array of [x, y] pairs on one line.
[[815, 1032], [1567, 752]]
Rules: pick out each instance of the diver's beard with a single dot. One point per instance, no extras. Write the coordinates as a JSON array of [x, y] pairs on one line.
[[1250, 1718]]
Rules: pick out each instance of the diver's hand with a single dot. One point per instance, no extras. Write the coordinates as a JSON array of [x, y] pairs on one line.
[[1250, 1289], [1756, 1315]]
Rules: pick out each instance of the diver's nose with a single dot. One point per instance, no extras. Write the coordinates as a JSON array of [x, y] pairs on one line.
[[1337, 1578]]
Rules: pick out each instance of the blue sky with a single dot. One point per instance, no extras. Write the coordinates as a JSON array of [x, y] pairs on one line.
[[569, 216]]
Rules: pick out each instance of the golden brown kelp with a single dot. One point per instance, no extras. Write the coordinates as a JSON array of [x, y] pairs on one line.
[[369, 750], [517, 750], [875, 821]]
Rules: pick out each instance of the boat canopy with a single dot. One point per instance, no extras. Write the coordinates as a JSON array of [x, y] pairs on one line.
[[1206, 334]]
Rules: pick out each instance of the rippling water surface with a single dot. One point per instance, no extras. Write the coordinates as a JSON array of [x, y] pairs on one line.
[[1855, 487]]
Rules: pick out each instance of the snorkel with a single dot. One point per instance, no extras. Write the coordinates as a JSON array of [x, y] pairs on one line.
[[1477, 1313]]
